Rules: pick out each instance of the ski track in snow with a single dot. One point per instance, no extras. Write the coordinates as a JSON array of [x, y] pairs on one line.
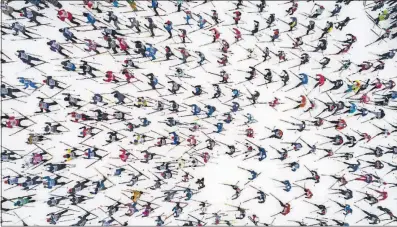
[[221, 168]]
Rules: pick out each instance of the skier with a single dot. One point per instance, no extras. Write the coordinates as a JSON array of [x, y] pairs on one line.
[[63, 14]]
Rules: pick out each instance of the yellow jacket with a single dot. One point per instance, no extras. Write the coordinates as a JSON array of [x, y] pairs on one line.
[[356, 85], [69, 151], [136, 195]]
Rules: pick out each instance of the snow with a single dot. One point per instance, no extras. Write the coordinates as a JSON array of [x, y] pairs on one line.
[[221, 168]]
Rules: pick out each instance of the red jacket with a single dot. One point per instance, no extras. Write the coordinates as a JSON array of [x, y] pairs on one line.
[[238, 33], [62, 15], [11, 122], [216, 33], [321, 79], [123, 44], [123, 156], [287, 209]]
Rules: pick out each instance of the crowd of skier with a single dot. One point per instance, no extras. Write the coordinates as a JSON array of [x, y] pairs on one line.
[[147, 103]]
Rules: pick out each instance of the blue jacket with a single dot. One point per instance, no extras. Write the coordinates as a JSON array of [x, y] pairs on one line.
[[90, 19], [287, 185], [235, 93], [196, 109], [352, 108], [34, 2], [188, 18], [337, 9], [394, 94], [115, 3], [295, 167], [168, 27], [201, 22], [67, 34], [348, 209], [90, 153], [155, 81], [254, 174], [211, 110], [262, 153], [154, 4], [50, 182], [235, 107], [305, 78], [219, 126]]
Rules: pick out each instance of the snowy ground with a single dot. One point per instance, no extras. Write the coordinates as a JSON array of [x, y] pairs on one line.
[[221, 168]]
